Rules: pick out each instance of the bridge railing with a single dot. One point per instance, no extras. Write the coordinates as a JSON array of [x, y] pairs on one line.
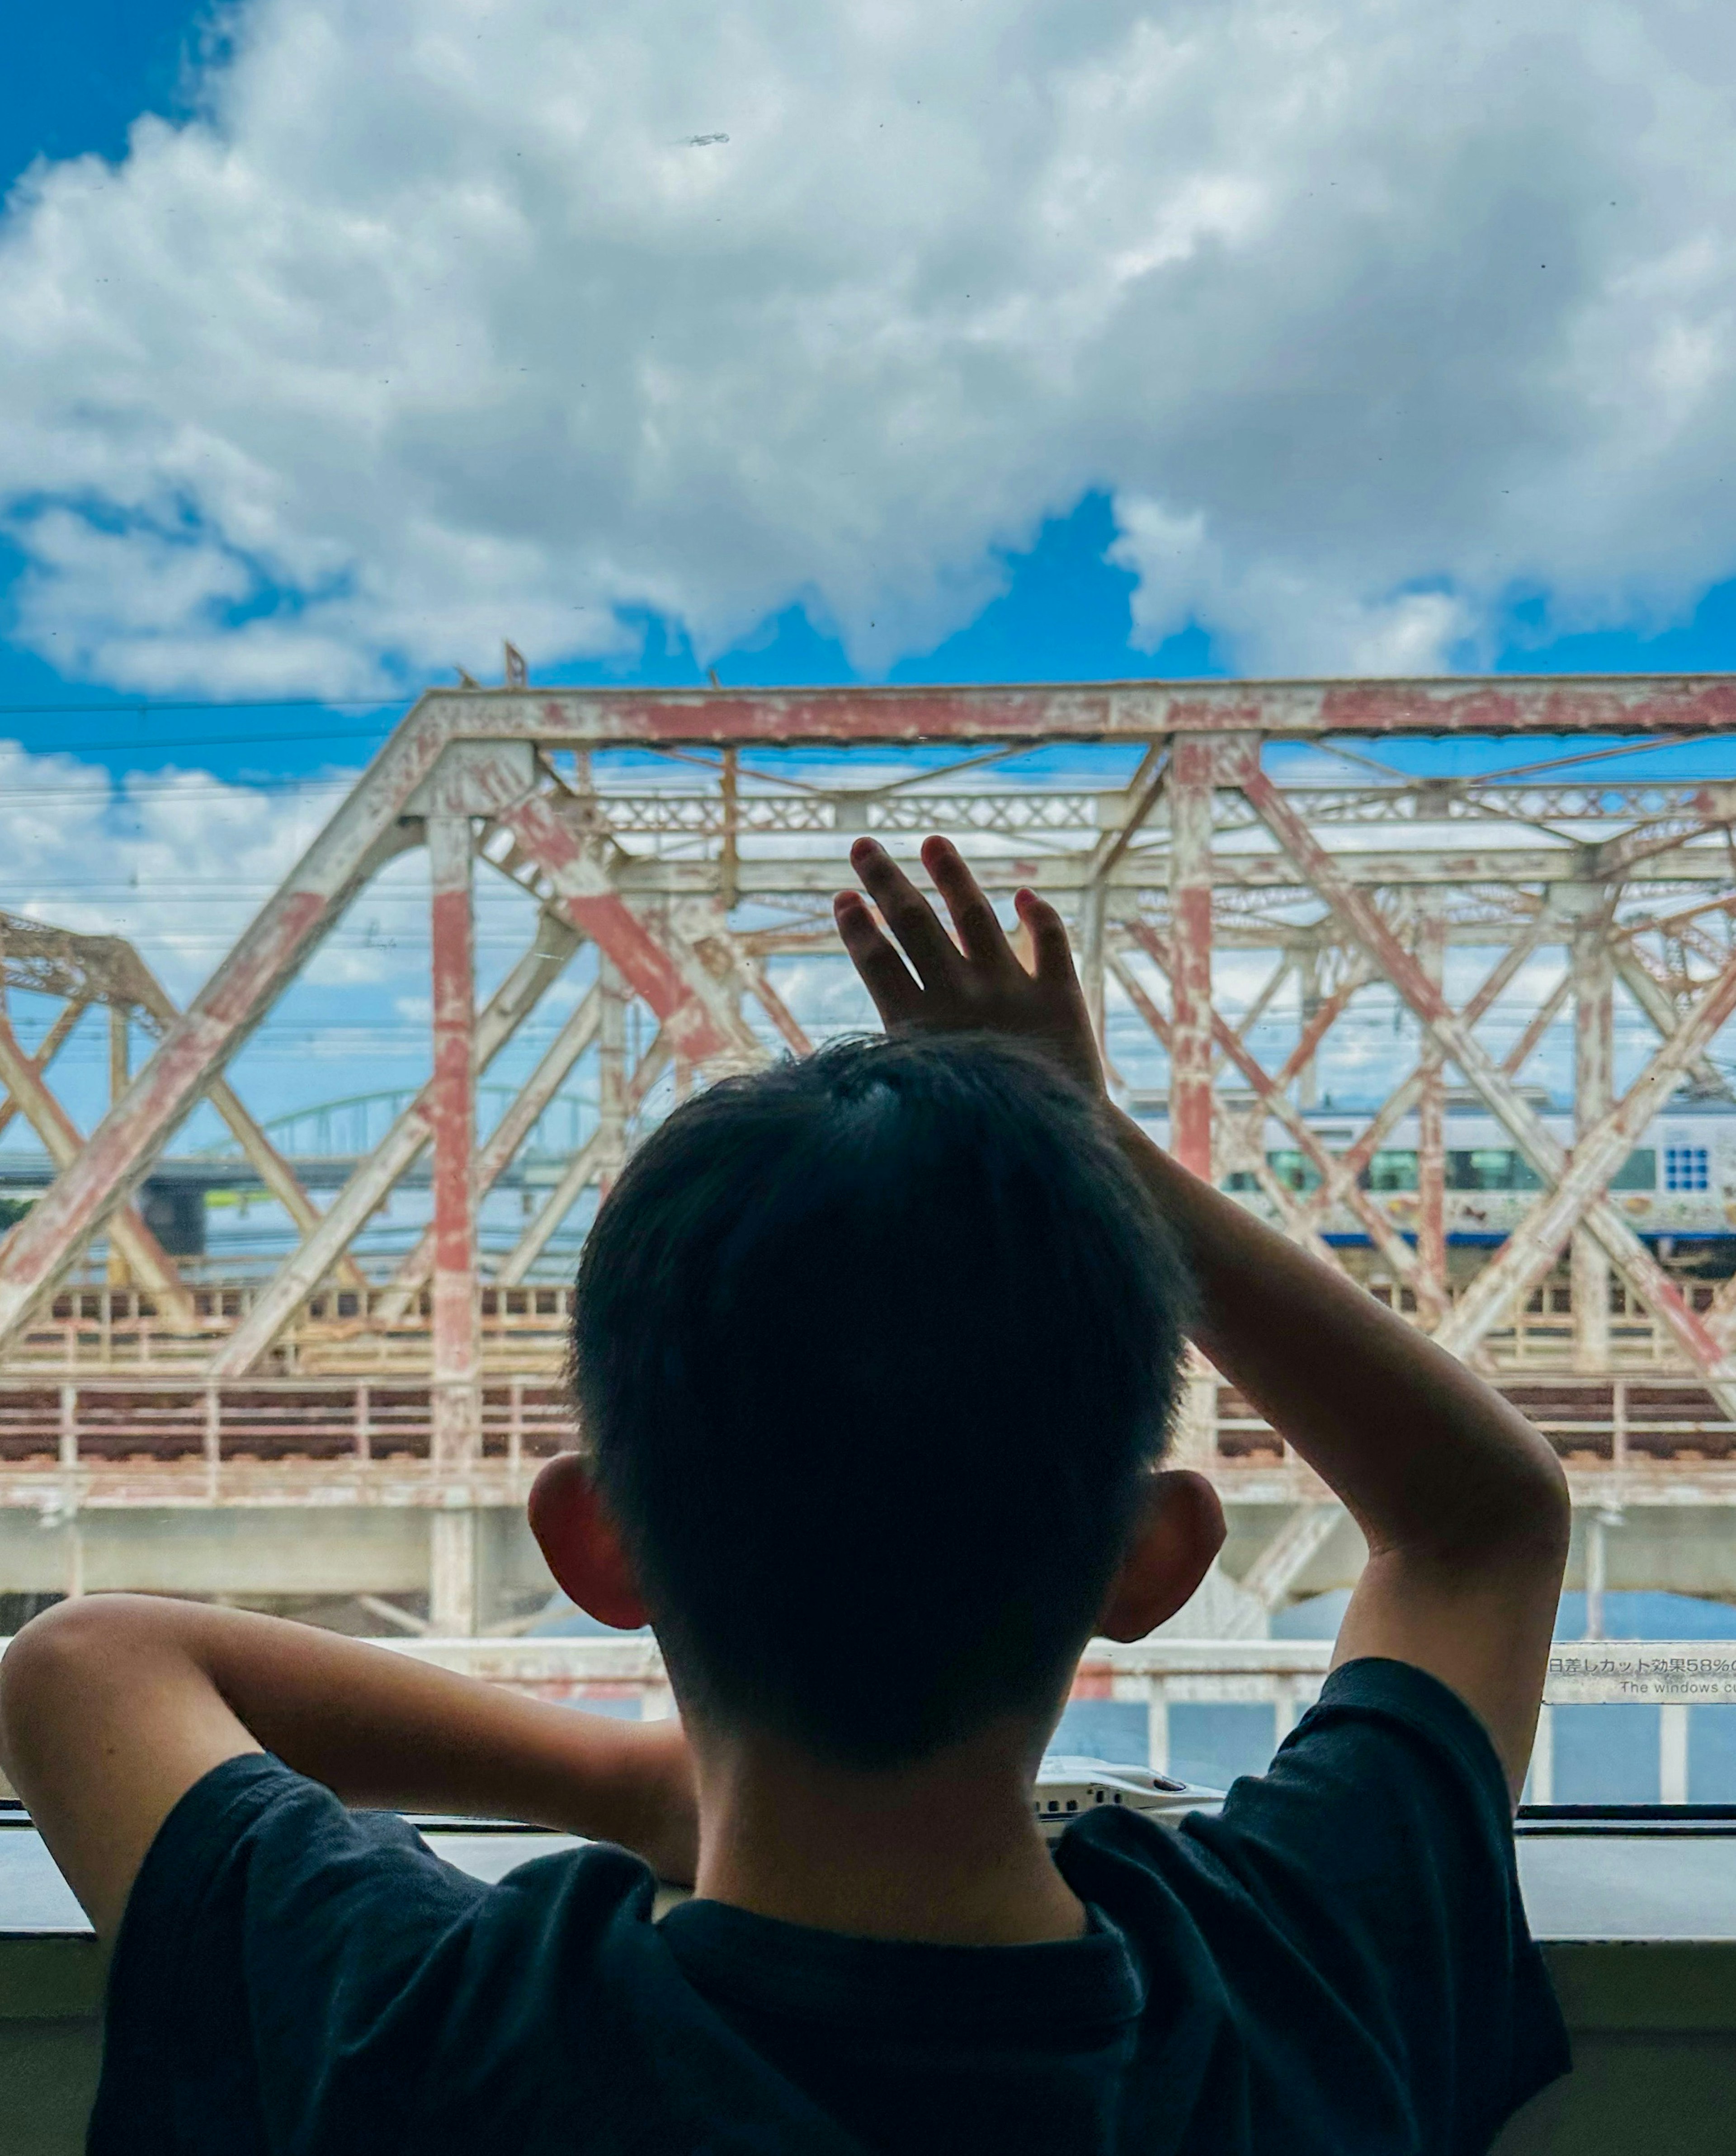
[[625, 1673], [114, 1437], [95, 1433], [93, 1328], [98, 1330]]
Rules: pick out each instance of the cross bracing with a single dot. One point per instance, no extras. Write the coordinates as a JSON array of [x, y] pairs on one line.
[[1255, 874]]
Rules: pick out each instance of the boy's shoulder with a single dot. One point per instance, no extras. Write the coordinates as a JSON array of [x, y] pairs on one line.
[[1341, 1947], [1357, 1911], [281, 1955]]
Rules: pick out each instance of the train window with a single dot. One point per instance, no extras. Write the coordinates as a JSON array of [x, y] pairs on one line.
[[1491, 1167], [1686, 1167], [1390, 1171], [1294, 1170], [1242, 1178], [1638, 1172]]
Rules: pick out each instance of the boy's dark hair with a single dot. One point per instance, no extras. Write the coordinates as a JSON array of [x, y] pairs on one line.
[[873, 1351]]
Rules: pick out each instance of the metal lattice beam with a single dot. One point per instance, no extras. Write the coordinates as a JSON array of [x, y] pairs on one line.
[[1195, 851]]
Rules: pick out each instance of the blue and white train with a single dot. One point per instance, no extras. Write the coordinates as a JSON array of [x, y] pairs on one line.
[[1677, 1188]]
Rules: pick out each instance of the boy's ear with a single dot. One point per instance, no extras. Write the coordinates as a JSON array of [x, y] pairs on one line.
[[1181, 1531], [580, 1545]]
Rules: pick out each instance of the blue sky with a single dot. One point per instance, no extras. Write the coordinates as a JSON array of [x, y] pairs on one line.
[[79, 77], [391, 334]]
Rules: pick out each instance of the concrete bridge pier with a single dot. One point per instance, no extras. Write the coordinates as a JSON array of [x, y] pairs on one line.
[[452, 1583]]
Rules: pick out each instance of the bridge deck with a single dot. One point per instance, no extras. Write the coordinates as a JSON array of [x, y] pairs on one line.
[[116, 1441]]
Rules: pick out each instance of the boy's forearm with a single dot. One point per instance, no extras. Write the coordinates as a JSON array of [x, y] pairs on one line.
[[382, 1728], [1426, 1454], [98, 1687]]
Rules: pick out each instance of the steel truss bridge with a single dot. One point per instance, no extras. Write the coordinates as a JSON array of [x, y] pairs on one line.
[[686, 841]]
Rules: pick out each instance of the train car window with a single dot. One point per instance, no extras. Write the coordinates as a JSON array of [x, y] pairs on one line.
[[1390, 1171], [1686, 1167], [1491, 1167], [1638, 1172], [1294, 1170]]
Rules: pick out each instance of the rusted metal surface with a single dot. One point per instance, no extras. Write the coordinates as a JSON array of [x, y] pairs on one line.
[[1131, 710], [1431, 1136], [344, 1219], [681, 897], [119, 1152], [106, 970], [495, 1156], [452, 1130], [1645, 1438], [1592, 977], [1575, 1195], [701, 1019], [136, 1245], [1191, 771]]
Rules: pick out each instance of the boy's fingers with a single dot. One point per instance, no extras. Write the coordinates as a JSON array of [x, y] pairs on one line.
[[972, 915], [1050, 947], [884, 973], [909, 916]]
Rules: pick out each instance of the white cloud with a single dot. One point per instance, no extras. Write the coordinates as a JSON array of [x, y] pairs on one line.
[[178, 861], [439, 326]]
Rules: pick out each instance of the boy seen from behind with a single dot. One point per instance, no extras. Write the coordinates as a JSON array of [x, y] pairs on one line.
[[875, 1355]]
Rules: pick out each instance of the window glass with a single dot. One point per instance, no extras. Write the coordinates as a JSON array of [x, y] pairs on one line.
[[1294, 1170], [880, 530], [1491, 1169], [1638, 1172]]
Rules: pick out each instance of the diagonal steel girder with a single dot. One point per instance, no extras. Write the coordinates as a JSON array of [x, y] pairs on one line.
[[1348, 1165], [1654, 1001], [51, 1046], [701, 1015], [115, 975], [1382, 1233], [724, 951], [1315, 1029], [1298, 1224], [1618, 857], [268, 1163], [372, 1178], [1363, 919], [154, 1268], [362, 834], [495, 1154], [591, 1161], [1531, 1249], [1287, 1555]]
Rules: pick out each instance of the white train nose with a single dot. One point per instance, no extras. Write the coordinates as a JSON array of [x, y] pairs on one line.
[[1067, 1787]]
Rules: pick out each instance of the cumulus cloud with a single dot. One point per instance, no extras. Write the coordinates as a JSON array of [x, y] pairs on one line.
[[441, 321], [178, 861]]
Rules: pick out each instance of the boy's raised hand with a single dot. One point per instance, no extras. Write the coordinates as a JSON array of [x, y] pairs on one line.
[[977, 984]]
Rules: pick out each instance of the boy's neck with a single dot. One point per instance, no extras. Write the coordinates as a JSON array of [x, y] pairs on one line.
[[948, 1852]]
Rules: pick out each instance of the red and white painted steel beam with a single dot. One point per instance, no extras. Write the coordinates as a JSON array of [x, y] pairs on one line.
[[457, 1342], [1360, 916], [1115, 711], [275, 1306], [588, 1165], [1191, 784], [359, 838], [701, 1017], [498, 1150], [151, 1265]]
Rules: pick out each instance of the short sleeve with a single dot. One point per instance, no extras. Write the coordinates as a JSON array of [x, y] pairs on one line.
[[1380, 1845], [264, 1969]]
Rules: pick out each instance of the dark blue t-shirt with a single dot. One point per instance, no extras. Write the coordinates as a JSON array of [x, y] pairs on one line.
[[1337, 1963]]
